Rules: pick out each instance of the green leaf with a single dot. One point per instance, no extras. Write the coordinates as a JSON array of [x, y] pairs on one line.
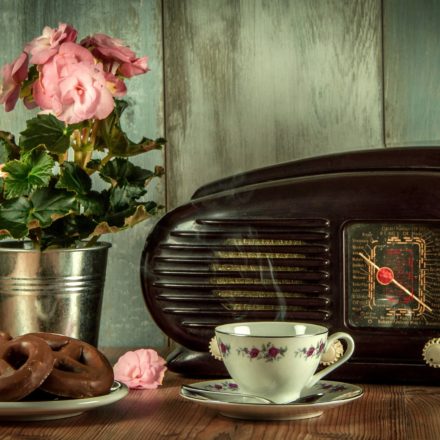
[[74, 178], [123, 172], [14, 215], [111, 136], [46, 130], [32, 171], [50, 204], [120, 221], [94, 203], [46, 205], [94, 164], [9, 149], [67, 231], [122, 197]]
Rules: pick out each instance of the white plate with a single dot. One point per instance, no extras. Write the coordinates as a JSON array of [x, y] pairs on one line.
[[58, 409], [334, 394]]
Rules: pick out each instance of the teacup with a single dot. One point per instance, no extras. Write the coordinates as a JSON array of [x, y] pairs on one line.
[[277, 360]]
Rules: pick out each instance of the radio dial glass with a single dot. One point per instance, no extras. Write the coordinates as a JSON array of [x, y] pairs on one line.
[[392, 274]]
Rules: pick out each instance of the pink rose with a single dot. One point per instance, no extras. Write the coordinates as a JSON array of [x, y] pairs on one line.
[[13, 75], [115, 56], [47, 45], [73, 87], [140, 369]]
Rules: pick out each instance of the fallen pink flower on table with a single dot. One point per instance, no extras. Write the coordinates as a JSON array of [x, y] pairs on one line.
[[140, 369]]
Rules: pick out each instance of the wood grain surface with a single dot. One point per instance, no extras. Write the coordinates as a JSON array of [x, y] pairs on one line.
[[384, 412], [411, 74], [250, 83]]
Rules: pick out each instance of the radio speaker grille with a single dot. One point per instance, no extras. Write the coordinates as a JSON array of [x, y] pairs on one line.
[[214, 271]]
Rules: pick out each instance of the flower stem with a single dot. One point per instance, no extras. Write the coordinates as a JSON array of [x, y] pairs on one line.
[[92, 241], [106, 159]]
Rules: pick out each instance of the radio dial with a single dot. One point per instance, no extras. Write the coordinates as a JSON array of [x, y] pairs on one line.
[[431, 353], [332, 354]]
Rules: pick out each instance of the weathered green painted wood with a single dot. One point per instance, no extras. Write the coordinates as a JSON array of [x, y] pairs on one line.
[[125, 319], [412, 72], [250, 83]]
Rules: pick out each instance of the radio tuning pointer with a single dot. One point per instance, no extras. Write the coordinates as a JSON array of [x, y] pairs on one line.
[[385, 276]]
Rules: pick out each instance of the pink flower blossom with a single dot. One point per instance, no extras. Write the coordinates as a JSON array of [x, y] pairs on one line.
[[137, 66], [13, 75], [3, 174], [116, 86], [73, 87], [140, 369], [47, 45], [115, 56], [74, 82]]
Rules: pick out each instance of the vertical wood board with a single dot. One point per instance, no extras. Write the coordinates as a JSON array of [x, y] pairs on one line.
[[250, 83], [412, 72]]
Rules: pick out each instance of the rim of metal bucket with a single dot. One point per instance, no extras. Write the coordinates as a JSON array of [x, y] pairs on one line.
[[25, 246]]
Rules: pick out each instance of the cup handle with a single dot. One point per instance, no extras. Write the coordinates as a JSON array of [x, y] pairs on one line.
[[348, 352]]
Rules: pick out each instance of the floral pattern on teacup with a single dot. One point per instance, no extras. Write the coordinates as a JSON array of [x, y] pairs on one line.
[[267, 352], [225, 349], [330, 388], [223, 386], [312, 351]]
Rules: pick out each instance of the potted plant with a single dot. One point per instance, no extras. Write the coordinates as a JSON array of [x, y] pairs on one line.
[[68, 180]]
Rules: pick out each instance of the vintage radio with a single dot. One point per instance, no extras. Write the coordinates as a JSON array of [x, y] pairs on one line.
[[350, 241]]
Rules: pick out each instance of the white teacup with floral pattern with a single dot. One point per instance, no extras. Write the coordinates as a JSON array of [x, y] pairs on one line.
[[277, 360]]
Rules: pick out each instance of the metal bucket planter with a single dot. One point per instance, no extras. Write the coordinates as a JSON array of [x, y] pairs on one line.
[[57, 290]]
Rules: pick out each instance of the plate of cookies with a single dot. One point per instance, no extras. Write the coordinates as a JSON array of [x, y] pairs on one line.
[[47, 376]]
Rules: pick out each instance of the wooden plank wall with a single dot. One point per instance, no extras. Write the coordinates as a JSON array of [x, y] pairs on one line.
[[250, 83], [412, 72], [240, 84]]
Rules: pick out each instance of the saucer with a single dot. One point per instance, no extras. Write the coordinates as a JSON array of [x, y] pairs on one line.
[[229, 403], [58, 408]]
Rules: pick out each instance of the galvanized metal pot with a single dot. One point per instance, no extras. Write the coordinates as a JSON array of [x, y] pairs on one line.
[[57, 290]]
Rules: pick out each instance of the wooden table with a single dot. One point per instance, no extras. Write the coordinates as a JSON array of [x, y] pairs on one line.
[[384, 412]]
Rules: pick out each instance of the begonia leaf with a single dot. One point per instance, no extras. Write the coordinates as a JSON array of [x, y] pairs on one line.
[[122, 172], [49, 204], [9, 149], [14, 215], [110, 136], [33, 170], [74, 178], [46, 130]]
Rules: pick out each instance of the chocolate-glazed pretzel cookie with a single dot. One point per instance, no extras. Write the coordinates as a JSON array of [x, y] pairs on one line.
[[25, 362], [80, 370]]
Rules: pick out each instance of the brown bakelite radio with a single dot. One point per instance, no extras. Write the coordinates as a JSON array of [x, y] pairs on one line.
[[350, 241]]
